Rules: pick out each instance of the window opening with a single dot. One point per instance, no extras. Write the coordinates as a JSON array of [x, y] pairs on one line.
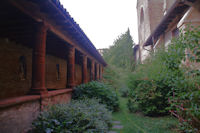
[[58, 71], [22, 67], [141, 16]]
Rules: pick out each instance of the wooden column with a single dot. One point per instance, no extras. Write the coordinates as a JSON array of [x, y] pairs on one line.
[[93, 69], [38, 61], [84, 64], [71, 67], [102, 69], [101, 73], [97, 76]]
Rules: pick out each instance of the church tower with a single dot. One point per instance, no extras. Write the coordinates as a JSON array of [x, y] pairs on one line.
[[149, 13]]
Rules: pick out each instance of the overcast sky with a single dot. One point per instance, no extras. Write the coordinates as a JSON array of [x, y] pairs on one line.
[[104, 20]]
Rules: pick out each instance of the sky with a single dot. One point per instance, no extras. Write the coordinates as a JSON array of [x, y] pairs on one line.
[[104, 20]]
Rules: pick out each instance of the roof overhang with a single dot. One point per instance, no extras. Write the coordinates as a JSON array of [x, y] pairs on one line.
[[63, 19], [178, 9]]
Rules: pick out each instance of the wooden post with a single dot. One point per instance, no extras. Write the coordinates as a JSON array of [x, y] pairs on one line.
[[97, 76], [84, 64], [71, 67], [101, 76], [38, 61], [102, 71], [93, 69]]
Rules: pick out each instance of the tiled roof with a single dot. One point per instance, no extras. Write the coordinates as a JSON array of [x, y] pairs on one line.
[[80, 33]]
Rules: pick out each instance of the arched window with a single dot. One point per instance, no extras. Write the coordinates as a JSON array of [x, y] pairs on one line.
[[58, 71], [141, 16], [22, 67]]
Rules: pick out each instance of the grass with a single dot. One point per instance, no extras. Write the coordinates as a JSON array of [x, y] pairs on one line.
[[137, 123]]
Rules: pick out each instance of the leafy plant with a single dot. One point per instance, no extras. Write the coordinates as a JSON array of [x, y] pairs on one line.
[[124, 91], [173, 75], [149, 86], [100, 91], [80, 116], [185, 101]]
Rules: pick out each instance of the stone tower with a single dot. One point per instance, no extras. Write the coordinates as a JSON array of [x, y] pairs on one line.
[[150, 13]]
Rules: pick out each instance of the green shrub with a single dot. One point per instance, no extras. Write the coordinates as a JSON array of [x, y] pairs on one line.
[[149, 86], [149, 98], [100, 91], [124, 91], [186, 98], [76, 117], [110, 76], [166, 76]]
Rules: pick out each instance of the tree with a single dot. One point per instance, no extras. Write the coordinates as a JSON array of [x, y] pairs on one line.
[[121, 53]]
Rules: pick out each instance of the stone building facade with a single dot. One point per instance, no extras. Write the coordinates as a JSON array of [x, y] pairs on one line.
[[43, 55], [160, 21], [150, 12]]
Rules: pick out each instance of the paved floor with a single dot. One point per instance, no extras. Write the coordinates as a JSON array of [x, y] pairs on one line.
[[116, 126]]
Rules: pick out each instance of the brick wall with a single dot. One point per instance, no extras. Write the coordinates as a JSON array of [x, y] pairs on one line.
[[52, 79], [78, 74], [88, 75], [55, 99], [11, 83]]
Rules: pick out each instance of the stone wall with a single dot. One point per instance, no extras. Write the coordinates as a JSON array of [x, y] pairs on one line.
[[17, 114], [18, 118], [168, 4], [191, 17], [156, 13], [150, 14], [152, 11], [143, 20]]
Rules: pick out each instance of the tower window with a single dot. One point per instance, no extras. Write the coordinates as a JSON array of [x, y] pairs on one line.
[[22, 67], [58, 71], [141, 16]]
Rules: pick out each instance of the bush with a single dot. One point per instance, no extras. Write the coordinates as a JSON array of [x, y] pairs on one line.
[[110, 76], [76, 117], [185, 100], [100, 91], [124, 91], [173, 75], [150, 86], [149, 98]]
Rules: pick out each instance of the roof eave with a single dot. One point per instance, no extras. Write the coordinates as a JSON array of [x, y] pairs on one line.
[[167, 19], [90, 47]]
